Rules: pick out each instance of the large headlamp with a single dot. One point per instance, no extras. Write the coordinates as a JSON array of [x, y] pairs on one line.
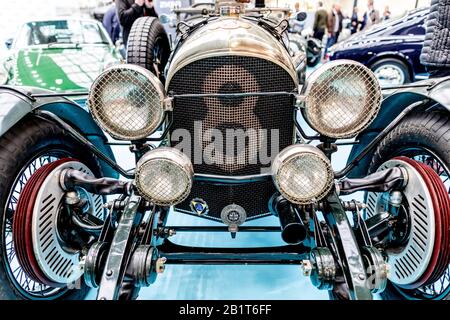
[[342, 98], [127, 101], [302, 174], [164, 176]]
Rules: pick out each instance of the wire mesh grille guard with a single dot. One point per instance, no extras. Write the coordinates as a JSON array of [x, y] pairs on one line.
[[126, 102], [342, 100], [305, 178], [233, 74], [253, 197], [163, 182]]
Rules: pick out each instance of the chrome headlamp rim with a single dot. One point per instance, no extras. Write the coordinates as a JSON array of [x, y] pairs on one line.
[[296, 150], [155, 82], [312, 79], [177, 158]]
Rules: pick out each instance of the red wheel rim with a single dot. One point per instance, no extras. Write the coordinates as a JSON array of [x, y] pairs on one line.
[[444, 208], [22, 233], [440, 257]]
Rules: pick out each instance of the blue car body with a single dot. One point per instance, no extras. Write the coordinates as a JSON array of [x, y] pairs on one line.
[[400, 39], [17, 103], [435, 93]]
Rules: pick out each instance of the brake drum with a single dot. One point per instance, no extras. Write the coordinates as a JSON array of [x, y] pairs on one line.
[[410, 262], [41, 251]]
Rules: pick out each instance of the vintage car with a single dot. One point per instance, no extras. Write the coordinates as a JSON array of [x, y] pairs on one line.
[[391, 50], [303, 48], [58, 54], [232, 150], [99, 12]]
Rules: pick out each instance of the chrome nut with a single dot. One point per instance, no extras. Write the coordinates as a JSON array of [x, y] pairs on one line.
[[160, 265], [307, 268]]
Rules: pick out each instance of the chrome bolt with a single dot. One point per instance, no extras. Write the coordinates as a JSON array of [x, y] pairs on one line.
[[306, 267], [109, 273], [72, 198], [387, 269], [160, 265], [395, 198], [361, 276]]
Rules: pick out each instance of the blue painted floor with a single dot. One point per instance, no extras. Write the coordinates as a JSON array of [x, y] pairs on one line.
[[228, 282]]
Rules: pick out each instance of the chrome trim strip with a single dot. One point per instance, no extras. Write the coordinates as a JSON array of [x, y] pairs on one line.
[[234, 95], [232, 179]]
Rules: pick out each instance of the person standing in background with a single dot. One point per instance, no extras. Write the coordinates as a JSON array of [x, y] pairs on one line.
[[435, 53], [129, 11], [386, 13], [355, 21], [111, 23], [371, 17], [296, 25], [320, 21], [334, 25]]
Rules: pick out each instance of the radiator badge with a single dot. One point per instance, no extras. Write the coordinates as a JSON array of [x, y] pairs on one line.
[[199, 206], [233, 215]]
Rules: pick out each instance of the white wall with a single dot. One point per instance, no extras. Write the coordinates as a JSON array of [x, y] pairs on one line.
[[396, 7], [13, 13]]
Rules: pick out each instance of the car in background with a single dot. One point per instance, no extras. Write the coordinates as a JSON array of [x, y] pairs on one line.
[[58, 55], [99, 12], [391, 49]]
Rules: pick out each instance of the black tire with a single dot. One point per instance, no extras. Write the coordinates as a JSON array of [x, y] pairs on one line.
[[314, 52], [148, 45], [25, 141], [394, 62], [427, 133]]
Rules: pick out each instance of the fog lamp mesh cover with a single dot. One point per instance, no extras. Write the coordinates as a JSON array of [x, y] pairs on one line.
[[164, 181], [342, 98], [127, 102], [304, 175]]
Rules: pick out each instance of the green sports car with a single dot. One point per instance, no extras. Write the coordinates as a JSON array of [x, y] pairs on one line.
[[58, 55]]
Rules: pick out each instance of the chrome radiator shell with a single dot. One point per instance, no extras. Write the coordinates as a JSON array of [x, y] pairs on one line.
[[231, 36], [228, 50]]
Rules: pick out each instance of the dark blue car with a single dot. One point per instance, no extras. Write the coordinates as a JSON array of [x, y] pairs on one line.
[[391, 49]]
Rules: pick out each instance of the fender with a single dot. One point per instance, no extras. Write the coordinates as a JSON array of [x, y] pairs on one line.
[[395, 55], [388, 54], [437, 91], [15, 104]]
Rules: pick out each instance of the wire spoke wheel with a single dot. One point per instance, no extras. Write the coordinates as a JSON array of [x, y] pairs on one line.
[[23, 283], [389, 75], [439, 288], [424, 274], [158, 57], [30, 146]]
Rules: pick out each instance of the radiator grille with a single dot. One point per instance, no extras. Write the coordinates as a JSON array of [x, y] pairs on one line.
[[253, 197], [263, 119]]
